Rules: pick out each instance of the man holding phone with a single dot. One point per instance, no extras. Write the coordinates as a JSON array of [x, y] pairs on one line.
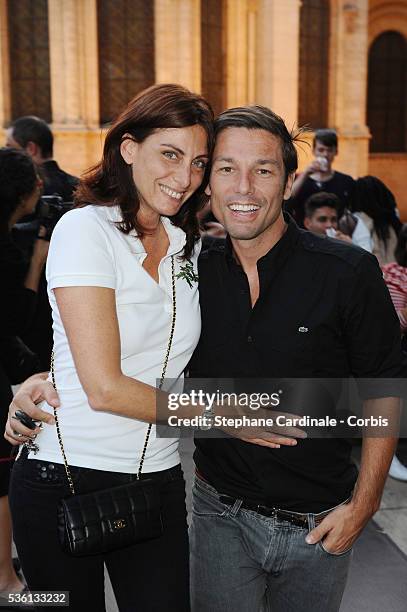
[[320, 176]]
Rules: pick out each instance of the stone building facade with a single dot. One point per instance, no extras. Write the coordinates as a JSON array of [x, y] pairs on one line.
[[327, 63]]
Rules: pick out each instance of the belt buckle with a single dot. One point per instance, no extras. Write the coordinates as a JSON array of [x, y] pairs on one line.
[[271, 512], [292, 517], [282, 515]]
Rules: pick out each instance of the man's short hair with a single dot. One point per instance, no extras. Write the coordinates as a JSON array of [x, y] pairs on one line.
[[318, 200], [327, 137], [258, 117], [33, 129]]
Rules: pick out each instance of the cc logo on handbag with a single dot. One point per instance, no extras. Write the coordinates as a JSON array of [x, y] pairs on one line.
[[119, 524]]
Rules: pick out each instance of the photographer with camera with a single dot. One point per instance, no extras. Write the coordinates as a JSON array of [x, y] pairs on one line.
[[20, 188], [34, 136]]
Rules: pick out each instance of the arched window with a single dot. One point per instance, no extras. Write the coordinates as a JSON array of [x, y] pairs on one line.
[[387, 93], [29, 58], [126, 52], [212, 53], [313, 78]]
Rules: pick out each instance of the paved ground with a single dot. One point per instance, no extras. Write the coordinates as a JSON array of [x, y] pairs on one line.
[[392, 516], [378, 575]]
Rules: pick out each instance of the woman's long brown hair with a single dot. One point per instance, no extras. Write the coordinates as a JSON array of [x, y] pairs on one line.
[[110, 182]]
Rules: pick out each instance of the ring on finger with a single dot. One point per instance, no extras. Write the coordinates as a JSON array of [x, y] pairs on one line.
[[17, 435]]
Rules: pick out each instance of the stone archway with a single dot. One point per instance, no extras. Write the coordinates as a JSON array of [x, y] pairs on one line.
[[384, 16], [387, 93]]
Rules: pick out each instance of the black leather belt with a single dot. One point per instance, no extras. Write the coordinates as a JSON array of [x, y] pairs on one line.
[[295, 518]]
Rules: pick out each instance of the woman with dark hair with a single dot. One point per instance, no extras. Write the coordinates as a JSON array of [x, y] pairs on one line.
[[395, 277], [374, 203], [122, 284], [20, 188]]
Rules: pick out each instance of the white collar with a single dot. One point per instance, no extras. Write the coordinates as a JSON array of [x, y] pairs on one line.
[[176, 235]]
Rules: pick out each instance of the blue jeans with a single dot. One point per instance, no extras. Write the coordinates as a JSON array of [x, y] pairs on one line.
[[245, 562]]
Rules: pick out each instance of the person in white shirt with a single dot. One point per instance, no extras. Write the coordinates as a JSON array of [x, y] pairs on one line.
[[110, 281]]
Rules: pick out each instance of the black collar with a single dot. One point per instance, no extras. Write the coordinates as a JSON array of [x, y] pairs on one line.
[[287, 241]]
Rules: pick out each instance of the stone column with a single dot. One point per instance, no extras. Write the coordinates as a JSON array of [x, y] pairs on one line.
[[251, 52], [74, 63], [177, 25], [73, 50], [278, 37], [348, 83], [237, 60], [5, 92]]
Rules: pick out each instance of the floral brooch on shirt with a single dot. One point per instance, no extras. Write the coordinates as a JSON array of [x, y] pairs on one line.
[[188, 274]]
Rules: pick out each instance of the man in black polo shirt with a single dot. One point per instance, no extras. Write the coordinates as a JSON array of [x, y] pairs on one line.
[[278, 301]]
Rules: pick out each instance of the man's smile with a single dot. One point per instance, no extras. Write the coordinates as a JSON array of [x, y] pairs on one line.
[[245, 211]]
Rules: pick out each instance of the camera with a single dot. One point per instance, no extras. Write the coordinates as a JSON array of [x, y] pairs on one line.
[[49, 211]]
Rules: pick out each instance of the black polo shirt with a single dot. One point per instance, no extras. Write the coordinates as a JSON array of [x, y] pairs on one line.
[[336, 292]]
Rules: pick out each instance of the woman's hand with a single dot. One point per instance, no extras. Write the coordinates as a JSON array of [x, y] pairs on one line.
[[274, 436], [35, 390]]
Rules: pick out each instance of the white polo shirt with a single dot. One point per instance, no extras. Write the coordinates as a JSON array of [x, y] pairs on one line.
[[87, 249]]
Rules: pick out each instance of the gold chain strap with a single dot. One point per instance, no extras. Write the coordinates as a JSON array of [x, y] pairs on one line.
[[67, 470], [174, 315], [143, 454]]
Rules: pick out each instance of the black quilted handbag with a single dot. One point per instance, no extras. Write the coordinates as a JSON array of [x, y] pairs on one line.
[[101, 521], [106, 520]]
